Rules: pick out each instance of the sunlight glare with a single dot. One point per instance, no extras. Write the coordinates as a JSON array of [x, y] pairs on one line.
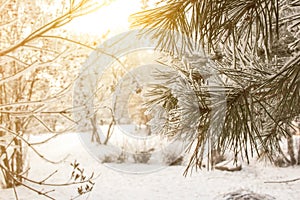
[[113, 17]]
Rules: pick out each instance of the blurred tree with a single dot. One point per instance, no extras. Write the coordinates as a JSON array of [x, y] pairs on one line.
[[39, 62]]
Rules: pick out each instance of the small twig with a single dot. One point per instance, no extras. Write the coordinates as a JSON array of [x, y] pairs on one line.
[[49, 176], [15, 190], [285, 181], [45, 194], [45, 140], [59, 184]]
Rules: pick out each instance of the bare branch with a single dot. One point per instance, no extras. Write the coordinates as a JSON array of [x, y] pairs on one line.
[[29, 145], [284, 181], [80, 9]]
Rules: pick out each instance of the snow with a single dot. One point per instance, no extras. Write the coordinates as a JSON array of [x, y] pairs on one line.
[[165, 183]]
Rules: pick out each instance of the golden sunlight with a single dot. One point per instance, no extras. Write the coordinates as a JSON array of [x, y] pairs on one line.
[[112, 17]]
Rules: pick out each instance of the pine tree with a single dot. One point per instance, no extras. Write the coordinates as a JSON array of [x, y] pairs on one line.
[[254, 48]]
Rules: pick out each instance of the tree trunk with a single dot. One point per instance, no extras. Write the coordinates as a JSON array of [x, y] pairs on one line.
[[18, 151], [95, 134], [298, 154], [7, 179], [291, 152], [12, 157]]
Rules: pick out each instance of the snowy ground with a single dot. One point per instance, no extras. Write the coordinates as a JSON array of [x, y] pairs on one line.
[[168, 183]]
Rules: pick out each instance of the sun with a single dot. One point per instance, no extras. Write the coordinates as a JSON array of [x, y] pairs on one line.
[[113, 17]]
